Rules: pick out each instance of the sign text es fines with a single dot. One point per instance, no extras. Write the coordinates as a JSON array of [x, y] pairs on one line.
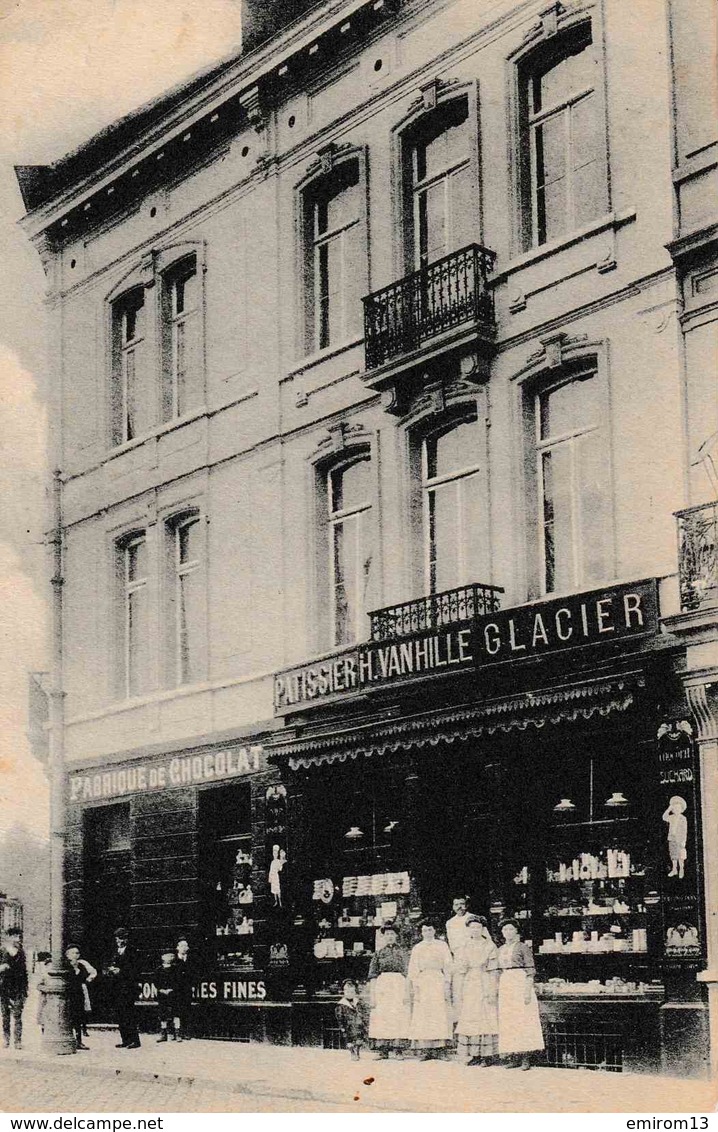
[[524, 632]]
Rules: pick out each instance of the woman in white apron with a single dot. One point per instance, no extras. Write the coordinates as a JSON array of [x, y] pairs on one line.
[[519, 1024], [389, 996], [430, 982], [476, 985]]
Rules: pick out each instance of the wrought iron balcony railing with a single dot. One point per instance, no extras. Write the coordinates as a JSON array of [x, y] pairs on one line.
[[439, 297], [698, 556], [434, 611]]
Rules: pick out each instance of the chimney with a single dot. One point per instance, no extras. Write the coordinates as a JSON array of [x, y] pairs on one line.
[[261, 19]]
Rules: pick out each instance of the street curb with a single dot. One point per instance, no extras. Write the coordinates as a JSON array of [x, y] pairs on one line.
[[257, 1088]]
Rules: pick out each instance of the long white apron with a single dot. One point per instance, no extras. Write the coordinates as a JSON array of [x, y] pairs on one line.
[[519, 1022], [430, 1016], [390, 1017], [477, 1013]]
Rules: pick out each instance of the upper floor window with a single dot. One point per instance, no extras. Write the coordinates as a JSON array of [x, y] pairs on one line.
[[134, 615], [349, 493], [455, 509], [157, 347], [186, 600], [572, 483], [334, 272], [132, 410], [439, 184], [180, 325], [561, 152]]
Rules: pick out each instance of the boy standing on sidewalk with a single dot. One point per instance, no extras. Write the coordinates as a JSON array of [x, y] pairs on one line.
[[165, 980]]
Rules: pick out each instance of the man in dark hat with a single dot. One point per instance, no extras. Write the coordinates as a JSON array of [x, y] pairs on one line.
[[13, 986], [124, 972]]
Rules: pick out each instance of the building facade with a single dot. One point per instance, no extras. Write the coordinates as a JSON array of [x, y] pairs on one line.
[[384, 359]]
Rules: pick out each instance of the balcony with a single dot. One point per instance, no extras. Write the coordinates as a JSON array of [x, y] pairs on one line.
[[438, 302], [434, 611], [698, 557]]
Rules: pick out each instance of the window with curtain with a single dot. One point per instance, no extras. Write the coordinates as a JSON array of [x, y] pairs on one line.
[[455, 505], [562, 151], [348, 495], [573, 485], [334, 272]]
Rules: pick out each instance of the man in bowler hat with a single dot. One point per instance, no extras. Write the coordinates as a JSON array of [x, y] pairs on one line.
[[124, 972]]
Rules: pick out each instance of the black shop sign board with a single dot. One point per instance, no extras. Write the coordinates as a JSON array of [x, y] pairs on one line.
[[529, 632]]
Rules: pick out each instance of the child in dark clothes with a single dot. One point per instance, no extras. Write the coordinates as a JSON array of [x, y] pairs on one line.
[[352, 1019], [165, 980]]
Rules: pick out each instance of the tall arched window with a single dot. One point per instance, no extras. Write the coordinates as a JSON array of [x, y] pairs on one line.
[[186, 593], [181, 362], [133, 615], [439, 184], [132, 401], [562, 149], [334, 255], [454, 497], [572, 482], [348, 498]]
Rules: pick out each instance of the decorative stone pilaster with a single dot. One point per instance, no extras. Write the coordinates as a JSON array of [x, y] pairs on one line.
[[702, 694]]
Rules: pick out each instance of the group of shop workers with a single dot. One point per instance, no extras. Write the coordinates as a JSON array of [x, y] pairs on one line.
[[465, 990]]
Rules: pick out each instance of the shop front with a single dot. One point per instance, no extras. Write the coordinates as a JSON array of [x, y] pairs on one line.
[[185, 844], [519, 759], [539, 761]]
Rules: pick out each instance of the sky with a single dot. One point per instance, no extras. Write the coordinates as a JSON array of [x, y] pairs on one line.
[[67, 68]]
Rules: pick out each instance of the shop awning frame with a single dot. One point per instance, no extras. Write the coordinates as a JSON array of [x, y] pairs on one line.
[[567, 703]]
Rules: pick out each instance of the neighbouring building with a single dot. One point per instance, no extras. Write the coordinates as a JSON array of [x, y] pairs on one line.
[[10, 913], [385, 406]]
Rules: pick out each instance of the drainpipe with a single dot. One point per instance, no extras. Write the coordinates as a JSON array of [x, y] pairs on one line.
[[57, 1038]]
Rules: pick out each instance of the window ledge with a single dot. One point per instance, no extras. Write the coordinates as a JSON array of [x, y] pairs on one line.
[[612, 220], [168, 426], [323, 355]]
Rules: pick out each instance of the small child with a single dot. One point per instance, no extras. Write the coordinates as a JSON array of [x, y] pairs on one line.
[[42, 967], [165, 980], [351, 1016]]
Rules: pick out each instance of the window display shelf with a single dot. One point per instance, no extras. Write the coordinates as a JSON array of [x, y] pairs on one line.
[[606, 995], [585, 915], [592, 956], [572, 881]]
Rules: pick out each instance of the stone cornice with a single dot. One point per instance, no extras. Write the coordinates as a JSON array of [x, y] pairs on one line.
[[236, 84]]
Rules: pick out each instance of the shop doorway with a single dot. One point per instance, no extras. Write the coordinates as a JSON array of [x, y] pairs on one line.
[[456, 825], [108, 890]]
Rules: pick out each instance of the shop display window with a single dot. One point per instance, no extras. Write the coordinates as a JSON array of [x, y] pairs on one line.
[[359, 875], [585, 885], [225, 825]]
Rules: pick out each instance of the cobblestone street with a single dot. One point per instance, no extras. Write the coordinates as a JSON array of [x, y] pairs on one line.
[[31, 1089]]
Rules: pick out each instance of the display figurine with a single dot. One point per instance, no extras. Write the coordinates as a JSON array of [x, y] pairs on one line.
[[675, 816], [274, 875]]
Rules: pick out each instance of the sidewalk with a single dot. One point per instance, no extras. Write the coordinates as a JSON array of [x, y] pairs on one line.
[[327, 1076]]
